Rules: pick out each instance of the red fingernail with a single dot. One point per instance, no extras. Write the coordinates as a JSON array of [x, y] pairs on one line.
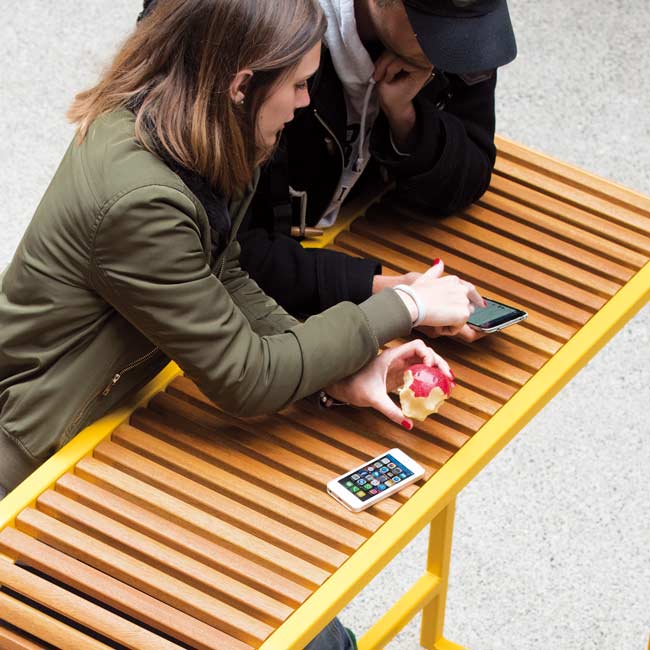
[[407, 425], [436, 261]]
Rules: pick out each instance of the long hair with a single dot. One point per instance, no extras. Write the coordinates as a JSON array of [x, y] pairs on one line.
[[175, 70]]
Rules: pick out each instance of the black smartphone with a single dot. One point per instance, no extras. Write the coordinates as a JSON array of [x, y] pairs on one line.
[[495, 316]]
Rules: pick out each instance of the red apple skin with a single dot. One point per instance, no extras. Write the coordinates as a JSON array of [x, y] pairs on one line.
[[426, 378]]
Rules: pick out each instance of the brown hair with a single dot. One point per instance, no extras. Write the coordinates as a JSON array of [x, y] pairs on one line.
[[175, 71]]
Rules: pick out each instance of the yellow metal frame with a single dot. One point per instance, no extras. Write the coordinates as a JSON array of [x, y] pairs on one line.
[[331, 233], [433, 503]]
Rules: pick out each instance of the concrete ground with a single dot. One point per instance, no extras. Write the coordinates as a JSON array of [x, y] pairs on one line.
[[552, 542]]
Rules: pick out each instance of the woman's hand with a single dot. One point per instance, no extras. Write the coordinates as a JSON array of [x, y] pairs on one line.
[[370, 385], [448, 301]]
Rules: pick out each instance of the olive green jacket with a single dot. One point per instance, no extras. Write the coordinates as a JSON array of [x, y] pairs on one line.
[[114, 277]]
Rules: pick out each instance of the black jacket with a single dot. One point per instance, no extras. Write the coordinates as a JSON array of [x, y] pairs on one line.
[[450, 169]]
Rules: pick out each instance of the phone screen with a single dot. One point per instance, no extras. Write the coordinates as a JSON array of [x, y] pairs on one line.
[[494, 314], [375, 477]]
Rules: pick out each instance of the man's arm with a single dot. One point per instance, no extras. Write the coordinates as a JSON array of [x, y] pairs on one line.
[[304, 281], [452, 161]]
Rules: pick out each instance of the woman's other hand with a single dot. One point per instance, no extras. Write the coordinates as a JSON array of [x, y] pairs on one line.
[[370, 385]]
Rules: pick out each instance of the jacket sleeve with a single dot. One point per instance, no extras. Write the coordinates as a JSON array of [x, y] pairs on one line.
[[148, 262], [263, 313], [304, 281], [452, 164]]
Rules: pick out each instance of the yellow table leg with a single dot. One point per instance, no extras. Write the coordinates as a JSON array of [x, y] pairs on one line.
[[441, 532], [398, 616]]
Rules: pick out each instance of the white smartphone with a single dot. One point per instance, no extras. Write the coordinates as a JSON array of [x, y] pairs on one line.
[[375, 480], [495, 316]]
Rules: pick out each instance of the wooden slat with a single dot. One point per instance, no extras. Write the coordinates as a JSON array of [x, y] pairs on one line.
[[507, 257], [571, 252], [574, 232], [612, 192], [112, 592], [230, 481], [274, 472], [263, 526], [571, 214], [574, 195], [529, 253], [188, 570], [142, 576], [44, 627], [510, 271], [175, 509], [276, 440], [489, 281], [80, 610], [179, 537], [11, 640]]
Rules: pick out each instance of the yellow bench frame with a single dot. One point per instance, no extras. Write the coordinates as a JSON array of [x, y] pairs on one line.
[[433, 504]]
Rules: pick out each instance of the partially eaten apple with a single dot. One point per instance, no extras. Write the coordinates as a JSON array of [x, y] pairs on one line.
[[425, 388]]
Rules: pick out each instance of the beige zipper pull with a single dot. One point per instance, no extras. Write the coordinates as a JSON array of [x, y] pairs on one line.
[[116, 377]]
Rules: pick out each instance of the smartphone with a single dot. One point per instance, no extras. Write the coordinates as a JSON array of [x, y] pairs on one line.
[[375, 480], [495, 316]]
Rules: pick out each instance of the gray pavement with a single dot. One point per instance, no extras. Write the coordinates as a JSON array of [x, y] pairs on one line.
[[552, 542]]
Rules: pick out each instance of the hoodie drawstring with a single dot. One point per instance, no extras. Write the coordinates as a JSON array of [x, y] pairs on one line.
[[361, 161]]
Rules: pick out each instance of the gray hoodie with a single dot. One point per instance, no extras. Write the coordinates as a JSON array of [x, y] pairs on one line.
[[355, 69]]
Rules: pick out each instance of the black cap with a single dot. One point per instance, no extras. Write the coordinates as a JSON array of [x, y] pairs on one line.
[[463, 36]]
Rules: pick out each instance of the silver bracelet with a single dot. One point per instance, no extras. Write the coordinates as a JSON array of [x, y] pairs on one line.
[[422, 312]]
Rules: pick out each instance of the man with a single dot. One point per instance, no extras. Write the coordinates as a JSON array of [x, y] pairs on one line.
[[405, 85]]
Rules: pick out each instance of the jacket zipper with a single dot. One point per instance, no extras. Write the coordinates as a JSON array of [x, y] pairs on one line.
[[103, 393], [338, 144], [118, 375], [223, 265]]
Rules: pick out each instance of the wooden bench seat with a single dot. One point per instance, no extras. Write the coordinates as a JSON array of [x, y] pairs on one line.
[[176, 526]]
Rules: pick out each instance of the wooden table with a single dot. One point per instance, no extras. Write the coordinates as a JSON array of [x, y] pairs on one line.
[[168, 524]]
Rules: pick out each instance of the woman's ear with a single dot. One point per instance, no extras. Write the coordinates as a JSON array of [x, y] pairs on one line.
[[238, 86]]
